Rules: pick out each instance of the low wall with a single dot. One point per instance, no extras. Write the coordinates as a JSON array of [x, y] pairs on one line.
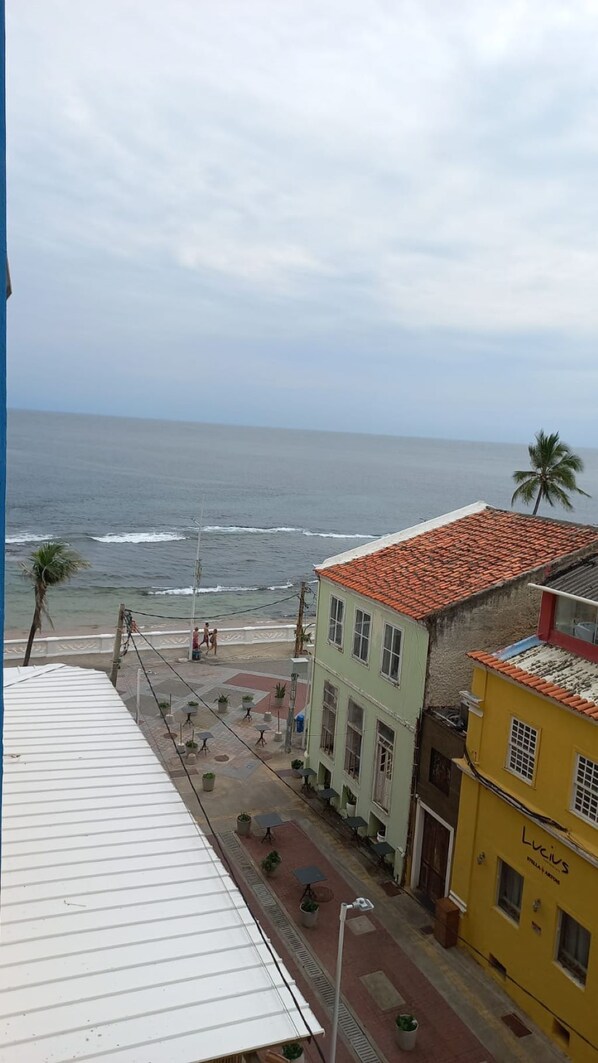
[[66, 645]]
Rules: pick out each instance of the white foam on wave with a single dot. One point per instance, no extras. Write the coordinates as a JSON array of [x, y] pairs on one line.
[[203, 590], [336, 535], [238, 529], [26, 537], [139, 537], [280, 586]]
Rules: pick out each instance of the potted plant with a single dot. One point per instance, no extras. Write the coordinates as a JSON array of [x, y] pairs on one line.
[[207, 780], [163, 704], [193, 704], [247, 700], [381, 834], [351, 805], [279, 694], [293, 1051], [309, 912], [191, 746], [296, 766], [222, 703], [244, 824], [271, 863], [406, 1028]]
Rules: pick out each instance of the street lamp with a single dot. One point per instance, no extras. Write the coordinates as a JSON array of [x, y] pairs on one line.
[[362, 904]]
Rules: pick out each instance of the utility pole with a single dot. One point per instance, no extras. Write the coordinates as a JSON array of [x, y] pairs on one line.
[[117, 644], [288, 741], [299, 628], [196, 582]]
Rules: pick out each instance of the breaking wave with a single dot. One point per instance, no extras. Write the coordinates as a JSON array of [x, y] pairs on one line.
[[236, 529], [203, 590], [139, 537], [26, 537]]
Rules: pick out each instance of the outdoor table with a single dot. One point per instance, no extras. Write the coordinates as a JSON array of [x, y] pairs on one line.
[[190, 712], [327, 794], [307, 876], [204, 735], [248, 709], [262, 728], [267, 820], [382, 850], [355, 822], [307, 773]]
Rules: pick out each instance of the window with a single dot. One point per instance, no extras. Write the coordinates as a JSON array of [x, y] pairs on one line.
[[328, 719], [585, 789], [521, 758], [573, 950], [579, 620], [391, 653], [353, 742], [335, 626], [440, 771], [385, 744], [361, 635], [510, 890]]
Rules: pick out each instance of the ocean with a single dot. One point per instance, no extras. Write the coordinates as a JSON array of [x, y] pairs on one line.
[[125, 493]]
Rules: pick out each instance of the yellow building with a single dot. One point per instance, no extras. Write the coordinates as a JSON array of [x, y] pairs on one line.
[[525, 870]]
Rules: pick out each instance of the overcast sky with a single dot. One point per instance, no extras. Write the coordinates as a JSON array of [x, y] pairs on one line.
[[365, 216]]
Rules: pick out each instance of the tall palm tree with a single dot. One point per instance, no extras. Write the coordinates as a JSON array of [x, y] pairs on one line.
[[552, 473], [51, 564]]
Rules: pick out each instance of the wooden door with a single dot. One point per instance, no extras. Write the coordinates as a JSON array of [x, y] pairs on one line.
[[434, 858]]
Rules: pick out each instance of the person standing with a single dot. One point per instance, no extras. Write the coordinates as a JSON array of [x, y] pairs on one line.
[[214, 640], [206, 637], [196, 652]]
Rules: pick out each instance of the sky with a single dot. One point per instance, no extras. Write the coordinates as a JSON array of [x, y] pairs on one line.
[[371, 217]]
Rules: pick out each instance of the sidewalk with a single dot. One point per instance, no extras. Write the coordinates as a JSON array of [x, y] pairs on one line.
[[390, 957]]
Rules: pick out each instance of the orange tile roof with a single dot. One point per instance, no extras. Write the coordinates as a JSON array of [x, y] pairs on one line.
[[435, 569], [537, 683]]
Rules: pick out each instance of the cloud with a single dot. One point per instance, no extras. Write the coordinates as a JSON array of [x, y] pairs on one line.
[[261, 179]]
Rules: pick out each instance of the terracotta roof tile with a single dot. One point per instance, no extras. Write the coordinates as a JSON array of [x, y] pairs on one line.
[[438, 568], [552, 659]]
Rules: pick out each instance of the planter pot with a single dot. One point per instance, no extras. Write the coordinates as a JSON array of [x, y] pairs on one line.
[[273, 873], [406, 1038], [243, 827], [181, 747], [309, 919], [191, 758], [278, 703], [222, 707], [278, 736], [351, 809], [299, 1059], [267, 717], [381, 836], [208, 784]]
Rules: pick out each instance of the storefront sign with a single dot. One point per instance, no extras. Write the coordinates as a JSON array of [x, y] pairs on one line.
[[544, 858]]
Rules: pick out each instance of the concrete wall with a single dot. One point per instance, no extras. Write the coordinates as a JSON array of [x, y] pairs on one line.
[[396, 705]]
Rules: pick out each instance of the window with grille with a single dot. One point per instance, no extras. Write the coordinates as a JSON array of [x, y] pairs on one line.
[[328, 718], [335, 626], [391, 652], [361, 635], [585, 790], [510, 891], [521, 758], [353, 740], [573, 947], [385, 744]]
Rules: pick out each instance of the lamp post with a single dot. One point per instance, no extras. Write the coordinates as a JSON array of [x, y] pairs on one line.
[[362, 904], [196, 582]]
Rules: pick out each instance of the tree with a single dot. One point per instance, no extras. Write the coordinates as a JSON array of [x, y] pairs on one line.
[[51, 564], [552, 473]]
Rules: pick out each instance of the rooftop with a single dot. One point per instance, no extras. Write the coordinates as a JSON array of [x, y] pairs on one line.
[[123, 936], [548, 670], [579, 582], [435, 565]]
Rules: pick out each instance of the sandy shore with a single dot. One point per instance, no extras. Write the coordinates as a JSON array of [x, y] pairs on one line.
[[66, 631]]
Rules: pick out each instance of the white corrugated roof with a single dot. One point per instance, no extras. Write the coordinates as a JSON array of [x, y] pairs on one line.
[[123, 938]]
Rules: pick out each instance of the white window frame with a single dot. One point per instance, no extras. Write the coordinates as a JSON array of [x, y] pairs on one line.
[[329, 706], [509, 908], [386, 675], [585, 790], [384, 749], [569, 968], [336, 623], [522, 750], [358, 636], [350, 753]]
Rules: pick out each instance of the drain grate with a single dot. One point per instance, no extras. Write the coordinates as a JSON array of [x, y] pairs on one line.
[[349, 1027]]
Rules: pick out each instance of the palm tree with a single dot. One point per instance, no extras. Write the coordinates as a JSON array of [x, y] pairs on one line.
[[51, 564], [552, 473]]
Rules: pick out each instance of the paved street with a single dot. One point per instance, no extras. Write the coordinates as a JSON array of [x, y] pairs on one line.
[[392, 962]]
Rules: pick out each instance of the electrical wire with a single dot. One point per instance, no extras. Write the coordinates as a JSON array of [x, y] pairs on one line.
[[514, 801], [222, 616], [223, 855]]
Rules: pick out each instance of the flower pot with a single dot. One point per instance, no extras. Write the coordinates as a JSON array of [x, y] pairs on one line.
[[208, 784], [298, 1059], [351, 809], [406, 1038], [222, 707], [278, 736], [191, 758], [243, 827], [381, 836], [308, 919], [267, 716], [278, 702]]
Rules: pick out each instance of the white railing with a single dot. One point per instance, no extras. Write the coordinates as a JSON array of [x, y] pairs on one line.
[[67, 645]]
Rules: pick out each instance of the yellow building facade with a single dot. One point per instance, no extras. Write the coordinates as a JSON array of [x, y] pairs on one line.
[[525, 869]]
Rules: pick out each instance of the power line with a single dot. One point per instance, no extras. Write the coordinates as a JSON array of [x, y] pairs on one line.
[[221, 616], [227, 863]]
